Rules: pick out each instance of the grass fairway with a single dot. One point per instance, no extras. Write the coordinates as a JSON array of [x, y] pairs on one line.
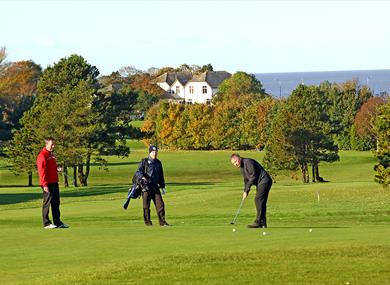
[[349, 241]]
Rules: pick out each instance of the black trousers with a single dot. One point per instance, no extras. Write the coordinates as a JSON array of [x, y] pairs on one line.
[[51, 199], [262, 191], [154, 195]]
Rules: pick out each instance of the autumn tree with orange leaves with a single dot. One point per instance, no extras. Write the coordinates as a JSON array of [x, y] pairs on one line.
[[364, 121], [18, 87]]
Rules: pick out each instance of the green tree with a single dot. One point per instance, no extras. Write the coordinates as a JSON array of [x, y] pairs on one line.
[[279, 153], [344, 100], [67, 116], [85, 122], [382, 130], [207, 67], [143, 102], [67, 74], [113, 112], [240, 83], [307, 131], [22, 151]]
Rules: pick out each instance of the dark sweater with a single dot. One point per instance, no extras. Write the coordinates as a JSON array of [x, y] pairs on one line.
[[152, 170], [253, 173]]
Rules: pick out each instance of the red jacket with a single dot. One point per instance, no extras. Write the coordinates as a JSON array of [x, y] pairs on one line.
[[47, 168]]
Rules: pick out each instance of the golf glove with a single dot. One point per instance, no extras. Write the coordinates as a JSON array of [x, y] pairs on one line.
[[163, 191]]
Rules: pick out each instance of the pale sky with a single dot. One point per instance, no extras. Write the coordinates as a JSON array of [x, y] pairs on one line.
[[251, 36]]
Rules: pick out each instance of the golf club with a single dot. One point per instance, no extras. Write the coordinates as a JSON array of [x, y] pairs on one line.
[[238, 211]]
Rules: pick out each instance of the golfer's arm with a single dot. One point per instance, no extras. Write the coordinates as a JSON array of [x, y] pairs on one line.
[[250, 174], [247, 186], [41, 164], [140, 171], [162, 180]]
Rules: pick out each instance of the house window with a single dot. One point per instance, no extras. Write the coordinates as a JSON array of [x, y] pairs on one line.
[[177, 89], [189, 101], [204, 89], [208, 101], [191, 89]]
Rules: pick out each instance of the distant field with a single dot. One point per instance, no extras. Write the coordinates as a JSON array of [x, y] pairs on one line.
[[137, 124], [348, 216]]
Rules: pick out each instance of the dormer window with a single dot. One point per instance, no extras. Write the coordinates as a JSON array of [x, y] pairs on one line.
[[177, 89], [204, 89], [191, 89]]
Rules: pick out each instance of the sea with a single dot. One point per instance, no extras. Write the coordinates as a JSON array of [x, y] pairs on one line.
[[282, 84]]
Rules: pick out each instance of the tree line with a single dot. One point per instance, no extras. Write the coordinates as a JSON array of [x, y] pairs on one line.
[[308, 127], [90, 116]]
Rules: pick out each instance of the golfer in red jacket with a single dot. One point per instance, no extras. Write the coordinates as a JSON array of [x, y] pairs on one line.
[[48, 179]]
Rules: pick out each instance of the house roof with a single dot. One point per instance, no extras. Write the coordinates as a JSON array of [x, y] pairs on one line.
[[213, 78], [171, 77], [171, 96]]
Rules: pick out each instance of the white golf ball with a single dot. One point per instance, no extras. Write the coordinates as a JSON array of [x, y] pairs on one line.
[[264, 233], [234, 230], [310, 230]]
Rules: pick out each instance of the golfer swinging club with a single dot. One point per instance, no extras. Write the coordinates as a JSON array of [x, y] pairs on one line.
[[254, 174]]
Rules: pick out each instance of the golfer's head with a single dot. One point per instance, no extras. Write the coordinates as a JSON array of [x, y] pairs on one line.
[[49, 143], [235, 159], [153, 151]]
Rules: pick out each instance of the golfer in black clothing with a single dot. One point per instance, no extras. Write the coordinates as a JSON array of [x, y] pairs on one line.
[[150, 170], [254, 174]]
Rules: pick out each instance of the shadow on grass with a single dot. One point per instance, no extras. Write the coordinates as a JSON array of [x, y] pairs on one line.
[[15, 198], [102, 189], [190, 183], [94, 191], [118, 163], [16, 186]]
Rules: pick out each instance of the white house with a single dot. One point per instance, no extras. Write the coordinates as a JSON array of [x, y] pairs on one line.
[[187, 88]]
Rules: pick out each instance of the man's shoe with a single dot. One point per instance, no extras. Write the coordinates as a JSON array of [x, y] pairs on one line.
[[63, 226], [263, 224], [254, 226], [164, 224], [50, 226], [148, 224]]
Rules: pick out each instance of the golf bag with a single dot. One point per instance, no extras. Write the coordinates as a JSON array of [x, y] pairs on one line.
[[135, 191]]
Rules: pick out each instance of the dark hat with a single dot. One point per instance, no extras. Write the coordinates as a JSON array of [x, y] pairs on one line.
[[152, 148]]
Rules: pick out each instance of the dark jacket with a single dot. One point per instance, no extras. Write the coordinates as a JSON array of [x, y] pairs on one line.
[[152, 170], [253, 173]]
